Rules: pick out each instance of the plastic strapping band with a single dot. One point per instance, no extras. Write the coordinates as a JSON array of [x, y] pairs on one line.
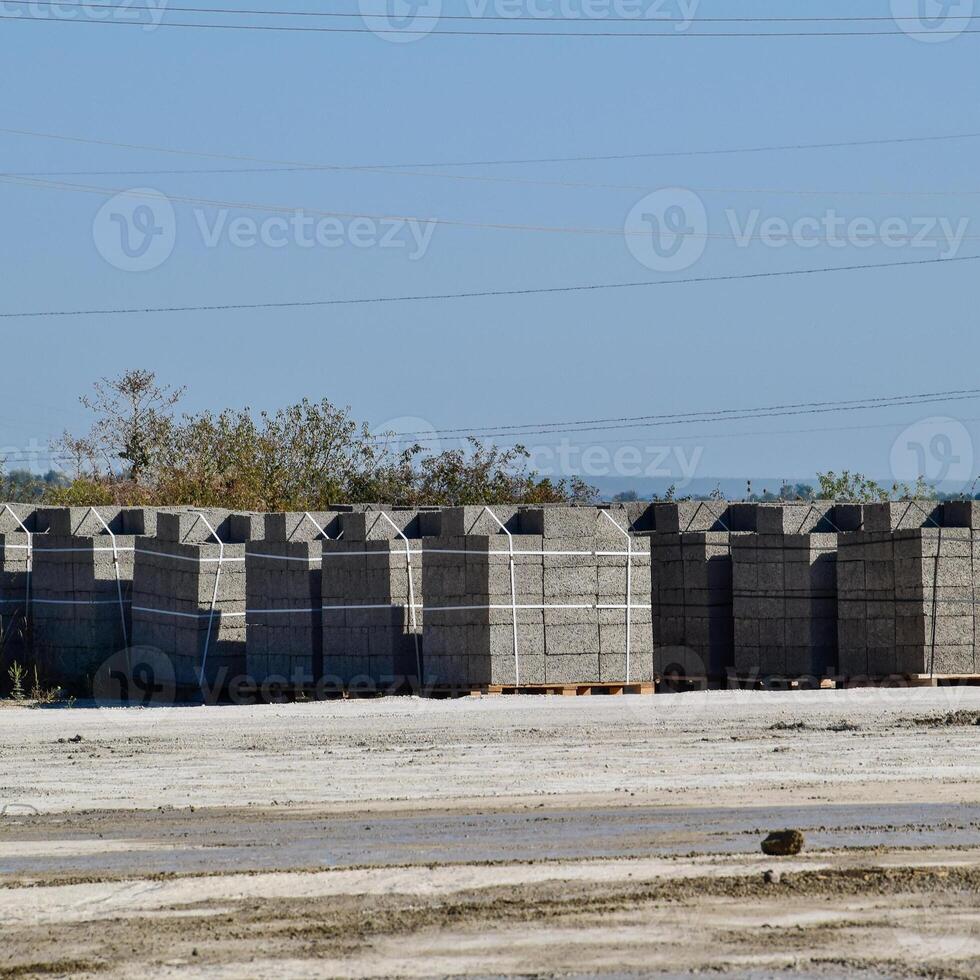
[[513, 592], [411, 595], [30, 558], [629, 584], [214, 594], [115, 564], [308, 516]]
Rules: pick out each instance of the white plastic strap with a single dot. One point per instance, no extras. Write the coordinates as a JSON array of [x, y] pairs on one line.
[[214, 594], [196, 559], [308, 516], [629, 583], [534, 551], [30, 558], [411, 595], [119, 590], [513, 592], [183, 615]]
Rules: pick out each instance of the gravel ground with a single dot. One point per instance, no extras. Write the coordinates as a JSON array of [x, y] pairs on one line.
[[592, 836]]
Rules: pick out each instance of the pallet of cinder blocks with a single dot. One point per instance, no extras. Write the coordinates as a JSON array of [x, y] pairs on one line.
[[569, 598], [176, 608], [784, 588], [284, 621], [15, 560], [691, 568], [469, 637], [81, 584], [584, 580], [372, 589], [907, 591]]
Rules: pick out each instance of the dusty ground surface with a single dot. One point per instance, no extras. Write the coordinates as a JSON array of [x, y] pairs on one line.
[[531, 836]]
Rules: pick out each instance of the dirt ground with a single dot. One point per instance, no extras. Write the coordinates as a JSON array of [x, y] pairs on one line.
[[592, 836]]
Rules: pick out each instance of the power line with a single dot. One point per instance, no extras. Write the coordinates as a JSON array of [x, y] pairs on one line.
[[395, 171], [905, 32], [476, 294], [651, 421], [740, 418], [307, 212], [661, 154], [519, 18], [878, 402]]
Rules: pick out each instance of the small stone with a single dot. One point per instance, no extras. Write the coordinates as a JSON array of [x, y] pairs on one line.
[[781, 843], [771, 877]]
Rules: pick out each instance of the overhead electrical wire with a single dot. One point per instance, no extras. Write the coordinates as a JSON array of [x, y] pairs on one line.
[[292, 209], [520, 18], [484, 178], [475, 294], [722, 418], [659, 154], [720, 415], [686, 35], [877, 402]]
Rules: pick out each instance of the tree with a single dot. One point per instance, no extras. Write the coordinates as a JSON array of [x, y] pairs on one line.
[[133, 417], [856, 487], [306, 456]]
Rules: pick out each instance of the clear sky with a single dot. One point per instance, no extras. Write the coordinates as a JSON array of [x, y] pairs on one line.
[[362, 99]]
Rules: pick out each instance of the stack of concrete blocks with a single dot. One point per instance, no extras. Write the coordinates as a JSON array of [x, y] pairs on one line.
[[571, 600], [76, 584], [14, 566], [176, 609], [585, 628], [691, 568], [284, 621], [907, 590], [784, 586], [372, 607], [469, 637]]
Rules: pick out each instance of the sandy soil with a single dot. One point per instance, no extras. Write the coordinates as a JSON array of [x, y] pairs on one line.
[[534, 836]]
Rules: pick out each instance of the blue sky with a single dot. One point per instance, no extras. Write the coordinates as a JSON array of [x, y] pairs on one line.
[[358, 99]]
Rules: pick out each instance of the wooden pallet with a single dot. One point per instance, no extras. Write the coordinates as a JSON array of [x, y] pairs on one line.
[[561, 690], [780, 683], [913, 680]]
